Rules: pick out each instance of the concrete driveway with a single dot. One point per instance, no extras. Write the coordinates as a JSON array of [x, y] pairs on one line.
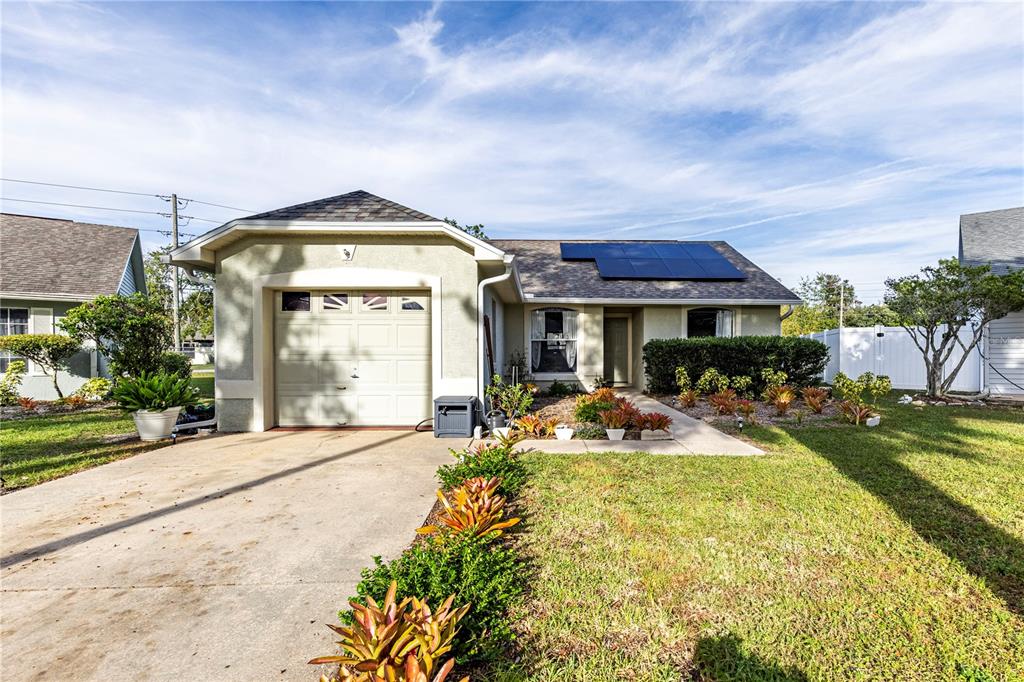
[[219, 558]]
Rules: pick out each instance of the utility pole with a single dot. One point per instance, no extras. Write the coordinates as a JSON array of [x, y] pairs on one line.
[[174, 272]]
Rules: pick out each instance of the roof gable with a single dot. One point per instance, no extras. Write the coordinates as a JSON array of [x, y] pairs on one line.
[[63, 258], [545, 275], [994, 238], [358, 206]]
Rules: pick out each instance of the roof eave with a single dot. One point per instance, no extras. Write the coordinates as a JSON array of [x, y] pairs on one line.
[[528, 298]]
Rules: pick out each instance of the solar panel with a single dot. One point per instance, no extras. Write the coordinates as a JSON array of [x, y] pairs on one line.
[[654, 260]]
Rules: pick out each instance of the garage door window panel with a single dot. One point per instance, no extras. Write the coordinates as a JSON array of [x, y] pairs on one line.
[[335, 303], [414, 304], [374, 302], [295, 301]]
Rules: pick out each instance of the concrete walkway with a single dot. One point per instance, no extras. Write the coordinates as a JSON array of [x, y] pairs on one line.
[[689, 437], [219, 558]]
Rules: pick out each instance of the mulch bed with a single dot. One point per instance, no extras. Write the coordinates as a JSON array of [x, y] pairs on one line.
[[766, 415]]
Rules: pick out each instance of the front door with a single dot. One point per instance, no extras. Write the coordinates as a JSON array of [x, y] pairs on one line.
[[616, 349]]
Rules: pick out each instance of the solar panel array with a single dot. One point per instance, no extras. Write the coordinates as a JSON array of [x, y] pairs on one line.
[[653, 260]]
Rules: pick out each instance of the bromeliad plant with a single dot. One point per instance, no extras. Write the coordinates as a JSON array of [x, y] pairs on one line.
[[689, 398], [155, 392], [814, 398], [614, 419], [748, 408], [724, 401], [654, 421], [530, 424], [396, 641], [475, 508], [856, 413], [781, 397]]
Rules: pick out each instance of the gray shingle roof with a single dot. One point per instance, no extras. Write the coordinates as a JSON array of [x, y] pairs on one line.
[[47, 256], [993, 238], [545, 275], [350, 207]]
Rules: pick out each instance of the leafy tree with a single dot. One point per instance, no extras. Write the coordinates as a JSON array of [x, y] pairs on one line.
[[825, 291], [472, 230], [822, 295], [50, 351], [935, 305], [806, 319], [195, 310], [133, 331], [871, 315]]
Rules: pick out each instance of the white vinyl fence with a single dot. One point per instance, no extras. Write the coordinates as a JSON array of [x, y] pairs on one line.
[[891, 351]]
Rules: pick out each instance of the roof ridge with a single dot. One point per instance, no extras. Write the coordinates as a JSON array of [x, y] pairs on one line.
[[357, 205]]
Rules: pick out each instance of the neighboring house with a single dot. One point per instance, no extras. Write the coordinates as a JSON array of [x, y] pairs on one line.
[[47, 267], [355, 310], [996, 238]]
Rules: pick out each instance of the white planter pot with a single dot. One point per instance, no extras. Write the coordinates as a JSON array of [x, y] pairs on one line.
[[873, 421], [155, 424], [502, 431], [563, 432], [615, 434], [659, 434]]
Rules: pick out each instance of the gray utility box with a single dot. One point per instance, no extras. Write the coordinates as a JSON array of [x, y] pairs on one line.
[[454, 416]]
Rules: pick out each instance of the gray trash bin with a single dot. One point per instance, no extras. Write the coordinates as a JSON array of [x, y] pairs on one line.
[[455, 416]]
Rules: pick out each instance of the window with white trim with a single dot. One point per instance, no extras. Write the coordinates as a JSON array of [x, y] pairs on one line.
[[12, 321], [709, 322], [553, 340]]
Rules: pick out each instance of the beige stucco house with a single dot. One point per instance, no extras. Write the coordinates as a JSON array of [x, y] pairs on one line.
[[355, 310]]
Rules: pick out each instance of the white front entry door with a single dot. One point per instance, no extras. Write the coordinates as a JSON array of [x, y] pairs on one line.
[[352, 357]]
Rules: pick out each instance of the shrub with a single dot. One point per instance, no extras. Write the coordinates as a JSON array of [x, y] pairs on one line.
[[133, 331], [529, 424], [712, 381], [557, 389], [475, 508], [802, 359], [590, 405], [688, 398], [155, 392], [614, 419], [75, 402], [682, 379], [724, 401], [742, 384], [395, 642], [488, 576], [589, 431], [94, 389], [814, 398], [512, 399], [11, 382], [654, 421], [50, 351], [28, 404], [489, 461], [175, 363], [851, 390]]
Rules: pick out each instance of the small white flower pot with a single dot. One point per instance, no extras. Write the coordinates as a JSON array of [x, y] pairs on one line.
[[615, 434], [659, 434], [155, 424], [873, 421], [502, 431], [563, 432]]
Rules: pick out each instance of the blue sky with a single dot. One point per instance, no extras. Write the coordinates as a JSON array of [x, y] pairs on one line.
[[839, 137]]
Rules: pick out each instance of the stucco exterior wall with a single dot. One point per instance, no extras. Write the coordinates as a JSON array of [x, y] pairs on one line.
[[43, 316], [241, 265]]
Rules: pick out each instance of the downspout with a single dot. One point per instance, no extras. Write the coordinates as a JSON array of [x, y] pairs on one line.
[[480, 322], [788, 312]]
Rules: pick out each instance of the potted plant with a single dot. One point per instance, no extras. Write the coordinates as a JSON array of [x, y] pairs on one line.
[[508, 401], [615, 422], [155, 401], [563, 432], [654, 426]]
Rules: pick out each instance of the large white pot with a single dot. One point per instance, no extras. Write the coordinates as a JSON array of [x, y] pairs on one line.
[[155, 424], [615, 434], [563, 432]]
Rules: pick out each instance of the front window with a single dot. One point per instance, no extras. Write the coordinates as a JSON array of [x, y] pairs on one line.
[[553, 339], [709, 322], [12, 321]]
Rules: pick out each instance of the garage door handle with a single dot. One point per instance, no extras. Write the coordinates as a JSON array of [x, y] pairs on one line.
[[342, 388]]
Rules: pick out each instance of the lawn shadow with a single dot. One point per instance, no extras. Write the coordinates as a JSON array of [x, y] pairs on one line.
[[871, 459], [722, 658]]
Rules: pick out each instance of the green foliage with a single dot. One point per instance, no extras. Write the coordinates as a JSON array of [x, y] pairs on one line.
[[195, 312], [176, 364], [772, 380], [589, 431], [472, 230], [854, 390], [133, 331], [50, 351], [803, 360], [712, 381], [589, 408], [155, 392], [97, 388], [558, 389], [11, 382], [682, 379], [488, 461], [935, 305], [488, 576], [512, 399], [973, 673], [742, 384]]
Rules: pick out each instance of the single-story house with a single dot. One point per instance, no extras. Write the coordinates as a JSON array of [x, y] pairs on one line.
[[996, 239], [47, 267], [356, 310]]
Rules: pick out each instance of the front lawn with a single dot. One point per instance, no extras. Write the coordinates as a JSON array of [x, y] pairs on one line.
[[847, 553], [41, 448]]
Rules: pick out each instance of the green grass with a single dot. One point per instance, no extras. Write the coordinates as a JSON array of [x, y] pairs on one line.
[[847, 553], [205, 384], [43, 448]]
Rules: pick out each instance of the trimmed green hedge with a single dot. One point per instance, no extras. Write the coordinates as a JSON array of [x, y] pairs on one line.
[[803, 360]]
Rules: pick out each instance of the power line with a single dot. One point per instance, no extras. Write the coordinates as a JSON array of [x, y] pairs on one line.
[[121, 191], [105, 208]]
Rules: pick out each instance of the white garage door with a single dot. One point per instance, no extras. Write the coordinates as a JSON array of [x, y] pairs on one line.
[[352, 358]]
